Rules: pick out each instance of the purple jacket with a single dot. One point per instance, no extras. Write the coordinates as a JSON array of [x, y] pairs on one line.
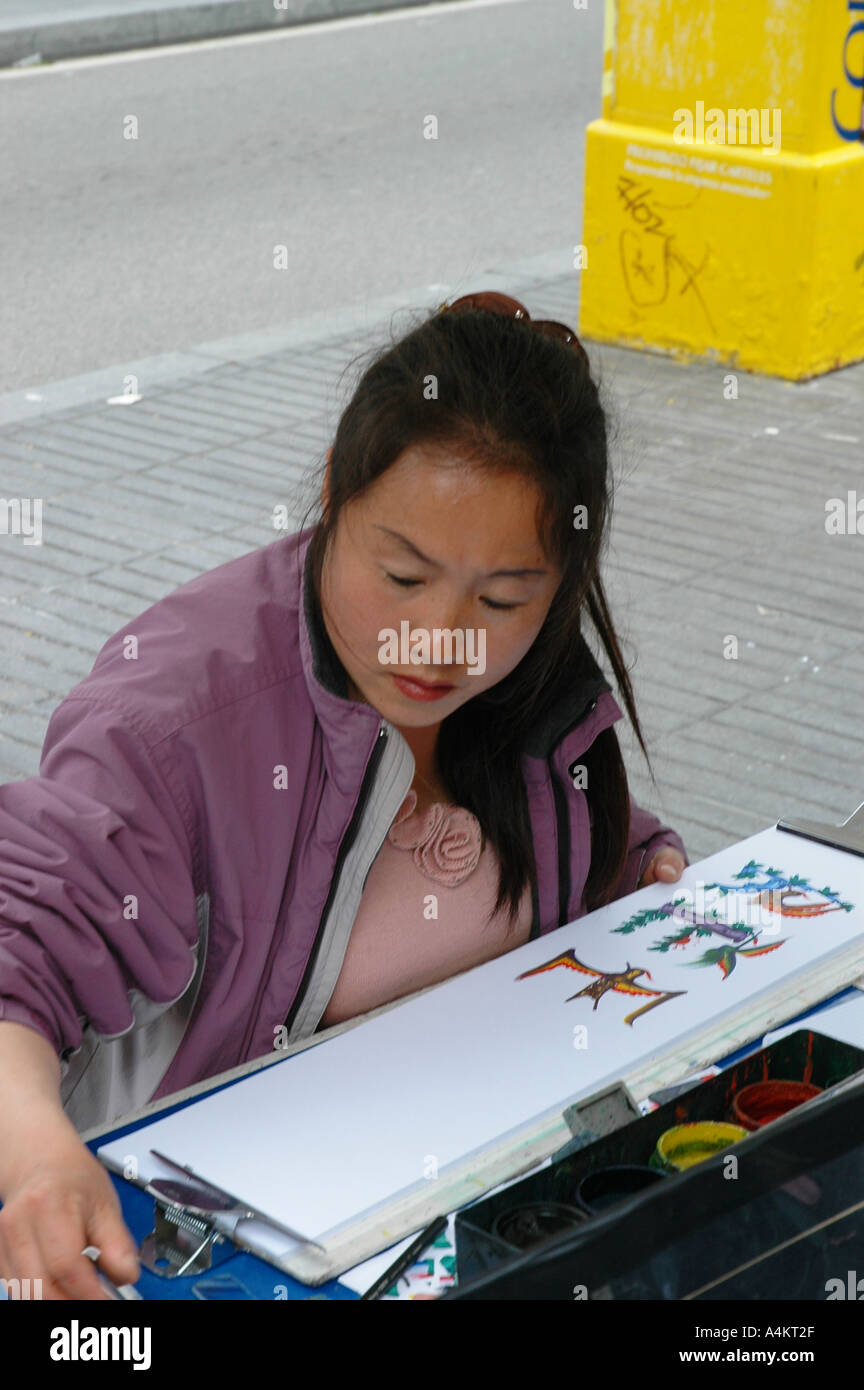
[[181, 878]]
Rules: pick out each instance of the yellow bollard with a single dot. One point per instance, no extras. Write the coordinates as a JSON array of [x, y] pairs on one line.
[[724, 183]]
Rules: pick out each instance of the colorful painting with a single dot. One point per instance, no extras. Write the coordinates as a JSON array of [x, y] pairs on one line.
[[603, 981], [769, 890], [430, 1277]]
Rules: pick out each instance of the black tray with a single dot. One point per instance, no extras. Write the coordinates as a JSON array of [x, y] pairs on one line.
[[802, 1056]]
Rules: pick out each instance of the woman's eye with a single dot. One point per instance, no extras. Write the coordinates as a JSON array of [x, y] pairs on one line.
[[490, 603]]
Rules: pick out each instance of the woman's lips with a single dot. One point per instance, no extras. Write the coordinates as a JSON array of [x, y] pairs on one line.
[[421, 690]]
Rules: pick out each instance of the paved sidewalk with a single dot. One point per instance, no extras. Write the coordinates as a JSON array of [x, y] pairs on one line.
[[51, 30], [719, 531]]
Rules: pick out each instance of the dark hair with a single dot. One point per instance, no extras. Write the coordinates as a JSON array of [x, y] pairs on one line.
[[509, 399]]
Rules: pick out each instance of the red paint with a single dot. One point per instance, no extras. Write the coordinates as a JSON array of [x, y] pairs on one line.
[[759, 1104], [808, 1070]]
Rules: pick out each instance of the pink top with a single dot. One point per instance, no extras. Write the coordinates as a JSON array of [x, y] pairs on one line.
[[423, 913]]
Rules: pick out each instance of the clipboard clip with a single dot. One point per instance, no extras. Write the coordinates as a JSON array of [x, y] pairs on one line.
[[185, 1238]]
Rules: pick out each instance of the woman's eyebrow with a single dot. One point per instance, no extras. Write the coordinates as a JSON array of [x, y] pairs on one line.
[[514, 574]]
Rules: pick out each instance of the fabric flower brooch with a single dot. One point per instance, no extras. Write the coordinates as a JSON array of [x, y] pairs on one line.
[[446, 840]]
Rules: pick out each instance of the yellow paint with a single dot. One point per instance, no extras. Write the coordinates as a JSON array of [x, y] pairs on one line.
[[685, 1145], [752, 257]]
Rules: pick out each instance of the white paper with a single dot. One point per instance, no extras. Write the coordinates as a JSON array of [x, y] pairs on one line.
[[344, 1127]]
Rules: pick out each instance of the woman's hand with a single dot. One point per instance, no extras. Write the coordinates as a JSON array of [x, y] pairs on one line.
[[54, 1205], [666, 865]]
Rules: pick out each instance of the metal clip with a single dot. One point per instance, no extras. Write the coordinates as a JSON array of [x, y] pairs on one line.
[[182, 1242]]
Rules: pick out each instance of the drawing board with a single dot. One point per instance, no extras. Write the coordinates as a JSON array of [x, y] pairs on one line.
[[342, 1128]]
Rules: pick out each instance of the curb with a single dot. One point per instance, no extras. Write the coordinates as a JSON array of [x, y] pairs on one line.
[[110, 26], [359, 321]]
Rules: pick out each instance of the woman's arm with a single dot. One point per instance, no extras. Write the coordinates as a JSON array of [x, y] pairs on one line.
[[29, 1093], [57, 1198], [97, 899]]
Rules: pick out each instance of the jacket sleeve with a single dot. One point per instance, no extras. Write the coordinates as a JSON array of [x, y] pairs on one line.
[[647, 836], [97, 896]]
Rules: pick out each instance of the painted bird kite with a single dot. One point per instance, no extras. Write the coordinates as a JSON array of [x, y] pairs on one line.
[[726, 956], [619, 981]]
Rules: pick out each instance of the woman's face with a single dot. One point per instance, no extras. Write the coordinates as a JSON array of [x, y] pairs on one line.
[[450, 529]]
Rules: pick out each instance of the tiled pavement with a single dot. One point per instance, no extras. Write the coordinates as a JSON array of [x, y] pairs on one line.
[[718, 533]]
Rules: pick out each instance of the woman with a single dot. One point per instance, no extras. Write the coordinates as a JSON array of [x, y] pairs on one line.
[[325, 775]]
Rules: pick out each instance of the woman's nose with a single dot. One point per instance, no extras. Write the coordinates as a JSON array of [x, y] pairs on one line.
[[450, 614], [449, 611]]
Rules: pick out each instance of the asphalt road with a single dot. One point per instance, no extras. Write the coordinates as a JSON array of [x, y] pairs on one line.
[[113, 249]]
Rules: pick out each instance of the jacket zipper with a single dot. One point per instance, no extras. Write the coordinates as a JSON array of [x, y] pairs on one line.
[[347, 841]]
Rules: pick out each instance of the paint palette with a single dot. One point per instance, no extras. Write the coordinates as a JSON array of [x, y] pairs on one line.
[[621, 1156]]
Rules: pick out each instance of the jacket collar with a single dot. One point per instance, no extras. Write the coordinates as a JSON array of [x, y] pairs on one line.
[[343, 718], [568, 711], [324, 666]]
